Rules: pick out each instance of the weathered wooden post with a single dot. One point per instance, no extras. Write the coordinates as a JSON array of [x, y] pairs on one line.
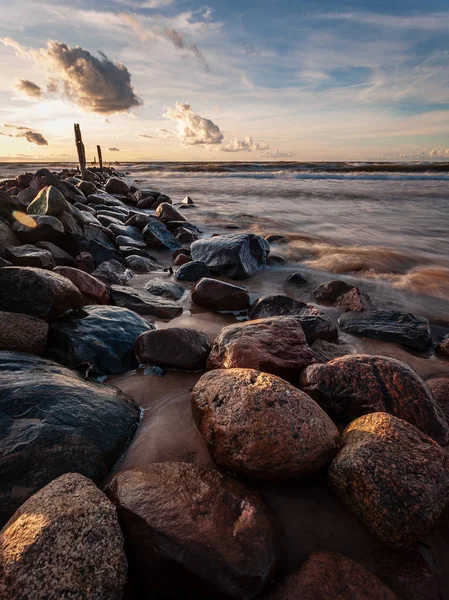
[[100, 158], [81, 151]]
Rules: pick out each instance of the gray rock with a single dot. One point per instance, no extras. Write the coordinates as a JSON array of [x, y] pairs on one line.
[[30, 256], [192, 271], [144, 303], [166, 289]]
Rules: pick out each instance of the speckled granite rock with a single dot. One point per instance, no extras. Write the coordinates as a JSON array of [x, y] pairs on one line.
[[174, 348], [22, 333]]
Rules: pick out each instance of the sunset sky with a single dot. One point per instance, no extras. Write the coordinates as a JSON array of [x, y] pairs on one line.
[[225, 80]]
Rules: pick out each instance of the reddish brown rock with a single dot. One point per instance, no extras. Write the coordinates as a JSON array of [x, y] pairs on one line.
[[331, 290], [355, 385], [22, 333], [355, 300], [440, 391], [443, 347], [63, 542], [194, 532], [394, 477], [92, 290], [181, 259], [174, 348], [166, 212], [259, 425], [219, 295], [275, 345], [331, 576]]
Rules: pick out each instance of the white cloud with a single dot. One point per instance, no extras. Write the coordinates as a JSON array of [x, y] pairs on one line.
[[246, 145], [192, 129]]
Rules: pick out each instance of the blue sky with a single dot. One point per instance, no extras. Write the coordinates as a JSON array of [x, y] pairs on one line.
[[225, 80]]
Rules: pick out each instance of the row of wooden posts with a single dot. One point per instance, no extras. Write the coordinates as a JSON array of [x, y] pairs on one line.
[[82, 152]]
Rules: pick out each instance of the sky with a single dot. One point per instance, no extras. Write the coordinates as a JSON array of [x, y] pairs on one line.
[[163, 80]]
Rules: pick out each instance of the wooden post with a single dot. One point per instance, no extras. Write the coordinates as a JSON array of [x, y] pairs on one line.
[[100, 158], [81, 151]]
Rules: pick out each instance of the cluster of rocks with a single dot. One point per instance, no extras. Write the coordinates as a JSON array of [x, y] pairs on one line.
[[268, 408]]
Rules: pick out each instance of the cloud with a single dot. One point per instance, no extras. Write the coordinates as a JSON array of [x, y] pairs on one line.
[[176, 38], [144, 135], [439, 153], [245, 145], [140, 4], [193, 129], [52, 85], [28, 88], [114, 149], [31, 136], [432, 21], [98, 85], [279, 154]]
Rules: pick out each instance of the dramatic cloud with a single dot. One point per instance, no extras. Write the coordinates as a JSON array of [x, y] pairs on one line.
[[31, 136], [246, 145], [28, 88], [176, 38], [193, 129], [114, 149], [98, 85]]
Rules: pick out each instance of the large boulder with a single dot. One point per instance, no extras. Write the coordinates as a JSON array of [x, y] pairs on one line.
[[194, 533], [219, 295], [114, 185], [22, 333], [60, 256], [157, 237], [393, 476], [30, 256], [53, 422], [258, 425], [315, 323], [235, 255], [174, 348], [37, 292], [192, 270], [92, 289], [409, 330], [440, 391], [144, 303], [42, 228], [275, 345], [166, 212], [63, 542], [96, 338], [355, 385], [8, 238], [330, 576], [166, 289], [96, 242], [49, 201], [141, 264], [112, 272]]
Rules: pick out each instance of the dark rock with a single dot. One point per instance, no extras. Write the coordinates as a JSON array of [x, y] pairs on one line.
[[60, 256], [114, 185], [355, 300], [182, 259], [325, 351], [141, 264], [107, 220], [85, 208], [195, 533], [7, 208], [235, 255], [44, 229], [442, 347], [166, 212], [116, 214], [275, 345], [140, 221], [24, 179], [8, 238], [219, 295], [112, 272], [52, 422], [192, 271], [4, 263], [164, 198], [92, 289], [24, 198], [22, 333], [126, 251], [165, 289], [97, 244], [315, 323], [85, 262], [174, 348], [140, 194], [180, 251], [101, 338], [187, 200], [146, 202], [87, 187], [157, 236], [127, 231], [274, 260], [144, 303], [43, 178], [50, 565], [49, 201], [30, 256], [184, 236], [355, 385], [296, 279], [440, 391], [258, 425], [37, 292], [277, 239], [389, 326], [328, 292], [104, 199], [124, 240], [393, 476]]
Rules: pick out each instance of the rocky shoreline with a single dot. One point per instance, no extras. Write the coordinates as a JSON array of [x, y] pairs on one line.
[[240, 447]]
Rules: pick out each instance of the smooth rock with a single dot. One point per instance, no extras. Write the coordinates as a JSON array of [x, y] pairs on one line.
[[97, 243], [442, 347], [296, 279], [194, 533], [219, 295], [126, 251], [192, 271], [331, 290], [146, 202], [49, 201], [174, 348], [392, 326], [97, 338], [394, 477], [166, 212], [92, 289], [181, 259], [141, 264], [114, 185], [85, 262], [258, 425], [144, 303], [112, 272], [30, 256], [60, 256], [45, 229], [166, 289], [8, 238], [87, 187], [22, 333], [185, 236], [125, 240], [37, 292], [139, 220], [158, 237], [63, 542], [355, 385], [440, 391]]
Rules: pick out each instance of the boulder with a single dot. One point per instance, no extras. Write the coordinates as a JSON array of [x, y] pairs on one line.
[[102, 198], [141, 264], [22, 333], [394, 477], [193, 270], [258, 425], [144, 303], [97, 243], [174, 348], [218, 295], [115, 214], [37, 292], [60, 256], [85, 262], [442, 347], [355, 300], [181, 259], [146, 202], [139, 220], [53, 422], [43, 178], [158, 237], [194, 533], [315, 323], [87, 187], [125, 240], [275, 345], [44, 229], [112, 272], [185, 236], [107, 220], [166, 289], [296, 279], [409, 330], [331, 576], [49, 201], [92, 289], [96, 338], [440, 391], [358, 384], [166, 212], [235, 255], [114, 185], [145, 193], [8, 238], [70, 545], [30, 256], [330, 291]]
